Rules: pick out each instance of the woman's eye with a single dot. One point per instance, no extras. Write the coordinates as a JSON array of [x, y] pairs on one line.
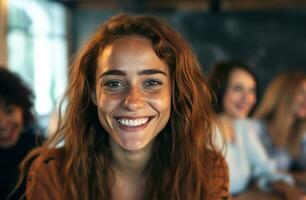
[[9, 110], [237, 88], [152, 83], [113, 85]]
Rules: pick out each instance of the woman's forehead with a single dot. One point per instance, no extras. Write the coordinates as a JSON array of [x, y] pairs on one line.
[[129, 52]]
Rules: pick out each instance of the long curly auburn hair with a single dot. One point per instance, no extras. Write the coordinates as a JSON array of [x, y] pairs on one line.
[[182, 153]]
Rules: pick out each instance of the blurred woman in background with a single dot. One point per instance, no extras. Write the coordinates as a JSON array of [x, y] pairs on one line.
[[18, 130], [281, 121], [236, 89]]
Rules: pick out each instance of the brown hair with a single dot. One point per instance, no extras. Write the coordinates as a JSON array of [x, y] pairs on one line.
[[14, 91], [276, 108], [182, 152], [219, 77]]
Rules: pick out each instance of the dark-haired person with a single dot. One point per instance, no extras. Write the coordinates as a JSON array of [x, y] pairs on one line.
[[236, 89], [138, 122], [17, 130]]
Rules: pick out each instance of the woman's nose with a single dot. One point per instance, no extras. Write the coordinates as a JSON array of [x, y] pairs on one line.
[[247, 95], [133, 99]]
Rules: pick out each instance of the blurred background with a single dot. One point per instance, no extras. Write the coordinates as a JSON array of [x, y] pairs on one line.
[[38, 38]]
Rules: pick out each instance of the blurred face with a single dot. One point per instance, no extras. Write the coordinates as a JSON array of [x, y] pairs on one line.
[[11, 124], [300, 102], [133, 93], [240, 95]]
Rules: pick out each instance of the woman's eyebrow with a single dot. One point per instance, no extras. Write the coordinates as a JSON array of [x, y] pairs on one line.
[[151, 71], [115, 72]]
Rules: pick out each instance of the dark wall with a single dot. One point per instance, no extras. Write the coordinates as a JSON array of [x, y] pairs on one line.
[[270, 41]]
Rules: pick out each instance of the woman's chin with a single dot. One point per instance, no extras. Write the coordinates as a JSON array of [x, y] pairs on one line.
[[9, 141], [133, 146]]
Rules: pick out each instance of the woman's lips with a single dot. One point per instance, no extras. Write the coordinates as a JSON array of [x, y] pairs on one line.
[[242, 106], [8, 135], [133, 124]]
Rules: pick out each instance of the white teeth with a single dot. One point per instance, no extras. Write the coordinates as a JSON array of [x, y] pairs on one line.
[[133, 122]]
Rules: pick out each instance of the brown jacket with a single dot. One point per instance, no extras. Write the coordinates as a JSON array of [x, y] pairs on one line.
[[47, 183]]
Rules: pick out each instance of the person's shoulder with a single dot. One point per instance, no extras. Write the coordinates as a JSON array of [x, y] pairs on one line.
[[48, 164], [218, 175], [217, 164], [46, 177]]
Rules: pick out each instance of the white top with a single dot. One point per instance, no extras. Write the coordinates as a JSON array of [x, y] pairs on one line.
[[247, 160], [280, 156]]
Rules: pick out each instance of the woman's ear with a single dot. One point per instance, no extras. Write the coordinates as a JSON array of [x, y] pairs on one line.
[[94, 98]]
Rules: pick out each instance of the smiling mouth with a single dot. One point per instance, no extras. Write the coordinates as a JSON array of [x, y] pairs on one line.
[[7, 135], [243, 106], [136, 122]]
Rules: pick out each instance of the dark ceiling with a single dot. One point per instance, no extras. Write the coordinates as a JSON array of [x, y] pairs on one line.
[[188, 4]]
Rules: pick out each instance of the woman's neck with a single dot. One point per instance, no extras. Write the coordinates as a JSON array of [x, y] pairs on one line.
[[226, 119], [129, 168], [130, 163]]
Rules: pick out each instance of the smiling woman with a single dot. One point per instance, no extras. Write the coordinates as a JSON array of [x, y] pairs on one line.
[[138, 123], [134, 92], [17, 130], [235, 85]]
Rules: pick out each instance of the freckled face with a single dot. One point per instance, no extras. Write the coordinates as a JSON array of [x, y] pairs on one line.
[[11, 124], [240, 95], [300, 102], [133, 92]]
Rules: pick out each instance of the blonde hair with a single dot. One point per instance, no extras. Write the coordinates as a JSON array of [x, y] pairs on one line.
[[276, 108]]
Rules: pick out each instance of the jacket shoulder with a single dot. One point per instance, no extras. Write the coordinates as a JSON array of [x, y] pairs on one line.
[[46, 178], [218, 176]]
